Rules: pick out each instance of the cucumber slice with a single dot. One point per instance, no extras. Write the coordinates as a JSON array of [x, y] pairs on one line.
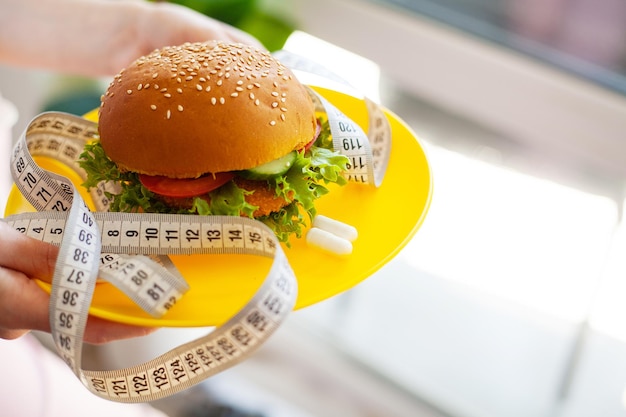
[[270, 169]]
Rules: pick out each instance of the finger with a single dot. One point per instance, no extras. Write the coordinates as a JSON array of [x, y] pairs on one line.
[[27, 255], [23, 304], [24, 307], [99, 331], [188, 25]]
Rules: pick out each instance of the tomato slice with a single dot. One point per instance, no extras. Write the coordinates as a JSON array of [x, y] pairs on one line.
[[185, 187]]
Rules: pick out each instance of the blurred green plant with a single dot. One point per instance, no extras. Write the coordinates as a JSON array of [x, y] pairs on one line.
[[268, 27]]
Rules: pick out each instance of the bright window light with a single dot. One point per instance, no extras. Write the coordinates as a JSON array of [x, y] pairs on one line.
[[341, 62], [609, 310], [515, 236]]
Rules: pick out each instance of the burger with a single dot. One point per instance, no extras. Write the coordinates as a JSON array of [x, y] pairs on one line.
[[213, 129]]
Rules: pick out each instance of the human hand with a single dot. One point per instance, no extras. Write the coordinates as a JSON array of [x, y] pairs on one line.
[[24, 305], [160, 24], [100, 37]]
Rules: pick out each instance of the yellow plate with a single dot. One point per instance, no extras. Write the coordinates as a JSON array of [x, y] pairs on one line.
[[386, 218]]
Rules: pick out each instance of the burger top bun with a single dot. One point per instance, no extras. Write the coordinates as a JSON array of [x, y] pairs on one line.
[[184, 111]]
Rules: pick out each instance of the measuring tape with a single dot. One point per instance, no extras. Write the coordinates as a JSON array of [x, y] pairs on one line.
[[130, 250], [99, 244], [368, 163], [368, 154]]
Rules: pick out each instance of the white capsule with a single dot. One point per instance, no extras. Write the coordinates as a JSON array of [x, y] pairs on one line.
[[328, 241], [336, 227]]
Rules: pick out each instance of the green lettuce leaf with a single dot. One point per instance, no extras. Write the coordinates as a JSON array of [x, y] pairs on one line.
[[301, 186]]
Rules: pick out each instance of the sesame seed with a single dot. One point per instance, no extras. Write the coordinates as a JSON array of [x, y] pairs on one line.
[[213, 100], [189, 78], [239, 88], [168, 114], [179, 90], [180, 108], [168, 95], [275, 104], [155, 75], [234, 94], [239, 82], [257, 102], [273, 123], [283, 108], [139, 87], [153, 107], [275, 84], [282, 117], [163, 90], [146, 85], [208, 88], [251, 95], [219, 82], [275, 93], [222, 101], [198, 87]]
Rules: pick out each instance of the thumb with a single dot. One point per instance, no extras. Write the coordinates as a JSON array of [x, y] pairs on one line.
[[29, 256]]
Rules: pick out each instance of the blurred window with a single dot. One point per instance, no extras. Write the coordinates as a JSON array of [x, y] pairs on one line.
[[584, 37]]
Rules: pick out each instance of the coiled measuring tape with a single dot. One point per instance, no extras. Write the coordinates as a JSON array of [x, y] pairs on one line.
[[130, 250], [99, 244]]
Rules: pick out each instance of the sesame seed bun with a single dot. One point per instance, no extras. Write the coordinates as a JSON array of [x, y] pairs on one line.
[[187, 110]]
